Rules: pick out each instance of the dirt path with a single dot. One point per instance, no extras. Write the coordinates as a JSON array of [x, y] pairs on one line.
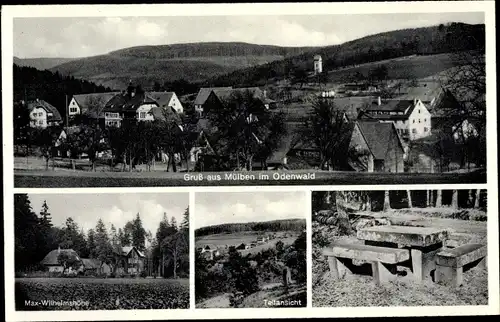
[[221, 301]]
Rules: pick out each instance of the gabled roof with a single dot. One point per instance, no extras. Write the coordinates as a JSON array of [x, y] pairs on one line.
[[205, 92], [49, 108], [126, 102], [378, 137], [51, 257], [83, 99], [352, 105], [162, 98], [425, 92], [392, 106], [127, 249], [165, 113], [91, 263]]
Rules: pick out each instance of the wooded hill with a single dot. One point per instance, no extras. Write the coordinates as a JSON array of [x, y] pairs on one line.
[[194, 62], [274, 225], [41, 63], [399, 43]]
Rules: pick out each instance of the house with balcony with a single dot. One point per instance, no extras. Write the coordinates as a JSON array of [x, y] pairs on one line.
[[130, 260], [82, 103]]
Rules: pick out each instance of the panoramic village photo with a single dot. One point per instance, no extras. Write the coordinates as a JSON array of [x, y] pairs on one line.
[[285, 100], [250, 250], [399, 248], [101, 251]]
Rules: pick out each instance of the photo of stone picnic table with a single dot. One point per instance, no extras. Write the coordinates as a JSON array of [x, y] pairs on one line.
[[388, 247]]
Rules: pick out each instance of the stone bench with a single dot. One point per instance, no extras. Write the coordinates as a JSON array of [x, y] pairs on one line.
[[383, 260], [450, 263]]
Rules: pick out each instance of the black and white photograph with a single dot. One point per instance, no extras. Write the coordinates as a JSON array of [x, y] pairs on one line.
[[250, 250], [399, 248], [246, 100], [101, 251]]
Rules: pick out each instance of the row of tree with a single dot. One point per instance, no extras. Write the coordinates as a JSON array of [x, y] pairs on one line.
[[378, 200], [274, 225], [35, 236]]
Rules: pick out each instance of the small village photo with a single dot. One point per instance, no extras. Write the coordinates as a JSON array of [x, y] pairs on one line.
[[101, 251], [334, 101], [250, 250], [399, 248]]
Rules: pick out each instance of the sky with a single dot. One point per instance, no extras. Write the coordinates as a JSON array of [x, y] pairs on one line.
[[83, 37], [112, 208], [213, 208]]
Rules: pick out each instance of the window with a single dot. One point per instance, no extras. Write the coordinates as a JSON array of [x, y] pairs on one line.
[[40, 122], [425, 120], [40, 114], [414, 131], [418, 111], [425, 129], [72, 110], [413, 121], [142, 115], [418, 120]]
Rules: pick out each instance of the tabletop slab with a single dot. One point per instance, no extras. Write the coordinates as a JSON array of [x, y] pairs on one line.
[[405, 235]]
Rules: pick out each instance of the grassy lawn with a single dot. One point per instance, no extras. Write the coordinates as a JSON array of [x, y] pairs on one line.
[[67, 179], [102, 294]]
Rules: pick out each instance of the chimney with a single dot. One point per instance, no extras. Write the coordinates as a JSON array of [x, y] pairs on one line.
[[58, 249], [414, 101], [379, 101], [37, 100], [265, 93]]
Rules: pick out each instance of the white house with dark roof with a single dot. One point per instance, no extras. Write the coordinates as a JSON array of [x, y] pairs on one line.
[[411, 117], [43, 114], [167, 100], [79, 104]]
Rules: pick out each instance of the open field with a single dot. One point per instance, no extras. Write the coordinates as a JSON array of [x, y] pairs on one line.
[[102, 294], [235, 239], [399, 68], [67, 179], [346, 292]]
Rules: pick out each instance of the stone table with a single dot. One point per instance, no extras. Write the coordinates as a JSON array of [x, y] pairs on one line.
[[423, 242]]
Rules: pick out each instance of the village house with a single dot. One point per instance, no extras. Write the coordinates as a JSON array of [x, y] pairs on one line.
[[42, 114], [218, 97], [210, 252], [201, 98], [129, 260], [52, 263], [82, 103], [167, 100], [242, 246], [386, 144], [94, 266], [411, 117], [352, 149]]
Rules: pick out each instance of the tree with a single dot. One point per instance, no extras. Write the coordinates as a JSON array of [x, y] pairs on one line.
[[342, 215], [185, 219], [91, 244], [26, 233], [104, 250], [176, 245], [439, 202], [243, 278], [454, 199], [46, 139], [299, 76], [67, 260], [478, 197], [326, 128], [22, 128], [138, 233], [408, 194], [246, 129], [387, 201]]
